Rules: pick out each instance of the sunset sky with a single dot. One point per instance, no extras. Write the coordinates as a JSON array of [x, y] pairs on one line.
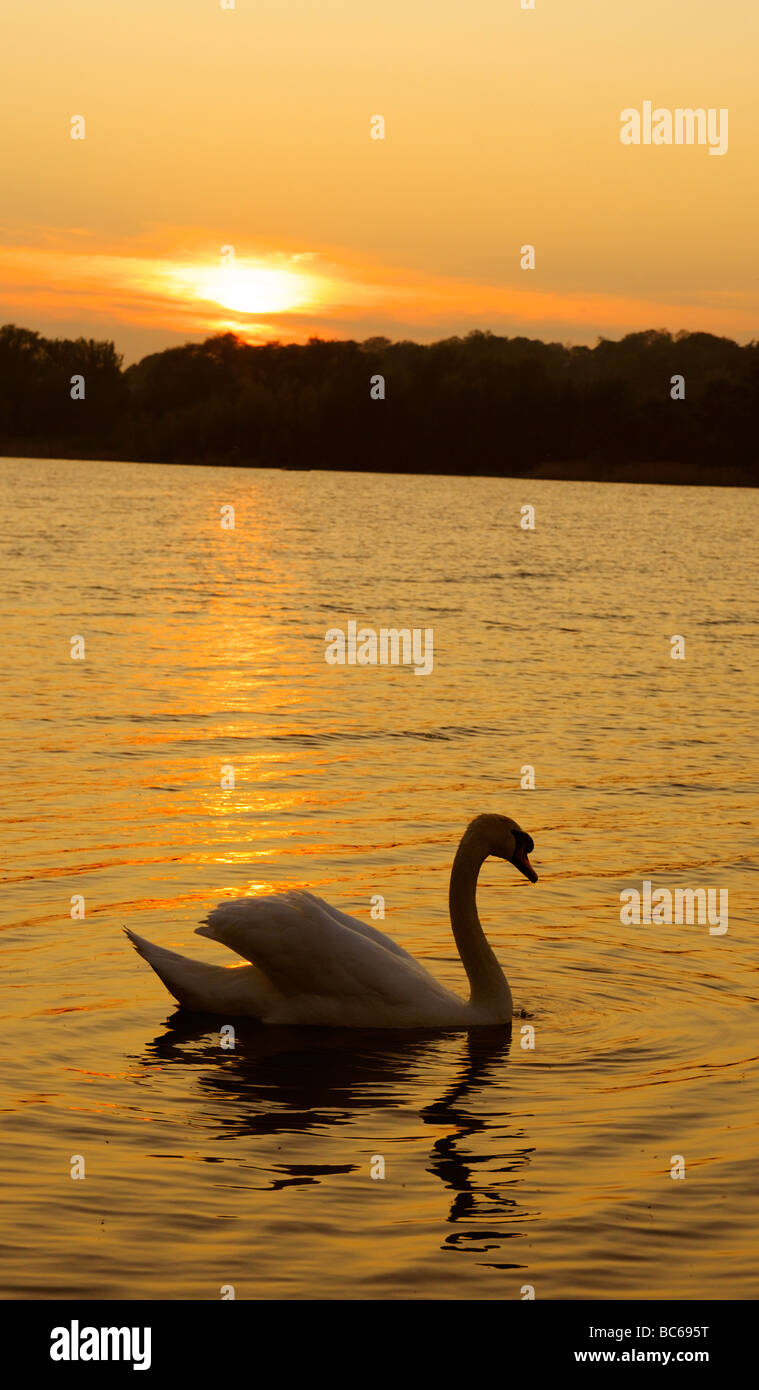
[[250, 128]]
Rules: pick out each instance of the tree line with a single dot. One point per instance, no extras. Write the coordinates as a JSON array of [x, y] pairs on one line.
[[476, 404]]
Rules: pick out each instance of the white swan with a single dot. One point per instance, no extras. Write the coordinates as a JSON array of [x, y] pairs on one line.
[[314, 965]]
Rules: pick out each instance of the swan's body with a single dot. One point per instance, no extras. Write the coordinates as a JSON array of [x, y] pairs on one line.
[[314, 965]]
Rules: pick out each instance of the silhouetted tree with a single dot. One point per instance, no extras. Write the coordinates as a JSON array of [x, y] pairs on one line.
[[477, 404]]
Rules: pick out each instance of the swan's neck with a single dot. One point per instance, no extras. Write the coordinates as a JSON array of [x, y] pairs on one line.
[[489, 984]]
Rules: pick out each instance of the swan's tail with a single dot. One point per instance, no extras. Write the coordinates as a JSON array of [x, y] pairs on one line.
[[198, 986]]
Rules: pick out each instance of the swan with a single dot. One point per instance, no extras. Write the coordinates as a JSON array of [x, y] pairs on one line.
[[314, 965]]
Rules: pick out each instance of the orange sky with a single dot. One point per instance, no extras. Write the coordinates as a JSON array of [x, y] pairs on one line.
[[250, 128]]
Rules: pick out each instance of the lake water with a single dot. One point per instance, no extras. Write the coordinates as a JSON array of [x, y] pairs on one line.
[[504, 1166]]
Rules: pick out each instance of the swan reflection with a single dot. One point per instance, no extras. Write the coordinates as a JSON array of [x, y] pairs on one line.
[[455, 1161], [280, 1081]]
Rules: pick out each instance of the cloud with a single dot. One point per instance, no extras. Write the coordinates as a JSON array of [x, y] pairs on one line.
[[172, 280]]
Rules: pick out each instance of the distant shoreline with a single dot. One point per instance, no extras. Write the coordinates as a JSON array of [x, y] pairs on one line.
[[653, 473], [651, 408]]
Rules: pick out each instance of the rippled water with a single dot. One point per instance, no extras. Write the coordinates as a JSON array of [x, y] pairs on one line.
[[504, 1166]]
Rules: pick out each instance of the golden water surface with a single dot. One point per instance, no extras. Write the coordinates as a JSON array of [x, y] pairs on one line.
[[505, 1166]]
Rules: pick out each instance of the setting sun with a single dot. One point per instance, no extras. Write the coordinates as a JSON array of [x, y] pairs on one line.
[[246, 287], [255, 290]]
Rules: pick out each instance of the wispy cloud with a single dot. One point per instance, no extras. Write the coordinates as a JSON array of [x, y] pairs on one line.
[[174, 281]]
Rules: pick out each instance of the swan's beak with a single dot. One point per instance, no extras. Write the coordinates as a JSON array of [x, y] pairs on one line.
[[522, 863]]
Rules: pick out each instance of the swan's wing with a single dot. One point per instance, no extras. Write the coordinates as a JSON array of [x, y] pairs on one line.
[[303, 947], [355, 924]]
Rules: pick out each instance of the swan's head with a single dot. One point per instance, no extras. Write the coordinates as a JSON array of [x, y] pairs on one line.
[[501, 837]]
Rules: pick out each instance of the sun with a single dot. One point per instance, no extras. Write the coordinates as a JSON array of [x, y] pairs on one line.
[[250, 288], [245, 287], [257, 289]]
